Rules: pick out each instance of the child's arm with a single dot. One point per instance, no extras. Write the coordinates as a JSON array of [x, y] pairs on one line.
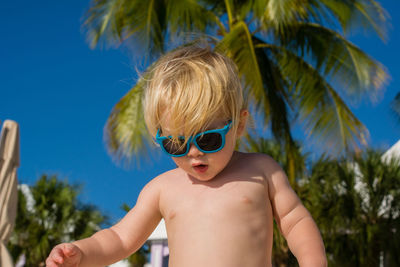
[[110, 245], [294, 221]]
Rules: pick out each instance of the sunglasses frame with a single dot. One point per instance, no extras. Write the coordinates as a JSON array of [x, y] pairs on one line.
[[223, 131]]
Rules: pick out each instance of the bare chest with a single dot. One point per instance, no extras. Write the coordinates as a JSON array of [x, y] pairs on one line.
[[214, 226], [244, 198]]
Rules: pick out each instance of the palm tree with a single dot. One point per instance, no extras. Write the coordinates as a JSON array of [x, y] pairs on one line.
[[293, 57], [48, 214], [356, 203]]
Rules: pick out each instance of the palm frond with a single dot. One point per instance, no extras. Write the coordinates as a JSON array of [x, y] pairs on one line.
[[347, 15], [240, 10], [125, 132], [279, 13], [99, 21], [368, 14], [276, 103], [117, 20], [274, 16], [187, 16], [342, 63], [238, 45], [325, 114], [148, 22]]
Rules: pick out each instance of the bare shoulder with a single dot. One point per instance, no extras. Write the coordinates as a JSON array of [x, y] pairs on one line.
[[271, 170], [168, 177], [154, 187], [266, 167], [150, 195], [264, 161], [275, 176], [162, 182], [165, 176]]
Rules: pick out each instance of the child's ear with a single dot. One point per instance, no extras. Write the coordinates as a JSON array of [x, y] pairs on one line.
[[244, 114]]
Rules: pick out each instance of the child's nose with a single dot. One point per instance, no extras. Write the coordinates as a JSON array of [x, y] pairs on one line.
[[194, 151]]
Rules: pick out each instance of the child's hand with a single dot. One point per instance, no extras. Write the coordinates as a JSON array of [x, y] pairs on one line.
[[65, 255]]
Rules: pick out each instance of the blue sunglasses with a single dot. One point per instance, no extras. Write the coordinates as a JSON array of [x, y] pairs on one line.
[[207, 142]]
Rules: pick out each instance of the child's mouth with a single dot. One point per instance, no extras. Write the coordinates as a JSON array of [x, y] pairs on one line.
[[201, 168]]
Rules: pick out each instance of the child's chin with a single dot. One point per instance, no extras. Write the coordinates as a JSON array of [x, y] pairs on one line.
[[203, 177]]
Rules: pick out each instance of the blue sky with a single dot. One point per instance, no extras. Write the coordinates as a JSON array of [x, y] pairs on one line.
[[61, 93]]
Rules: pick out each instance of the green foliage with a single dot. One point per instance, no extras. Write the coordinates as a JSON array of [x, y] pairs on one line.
[[125, 126], [355, 202], [55, 216]]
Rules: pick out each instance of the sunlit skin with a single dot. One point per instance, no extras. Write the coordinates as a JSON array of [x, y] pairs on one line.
[[219, 214]]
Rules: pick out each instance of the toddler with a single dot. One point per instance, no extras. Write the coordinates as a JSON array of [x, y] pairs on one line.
[[218, 204]]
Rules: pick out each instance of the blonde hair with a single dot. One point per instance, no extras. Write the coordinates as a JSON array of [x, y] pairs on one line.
[[189, 88]]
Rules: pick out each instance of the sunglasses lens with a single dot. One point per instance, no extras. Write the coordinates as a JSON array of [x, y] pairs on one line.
[[209, 141], [174, 148]]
